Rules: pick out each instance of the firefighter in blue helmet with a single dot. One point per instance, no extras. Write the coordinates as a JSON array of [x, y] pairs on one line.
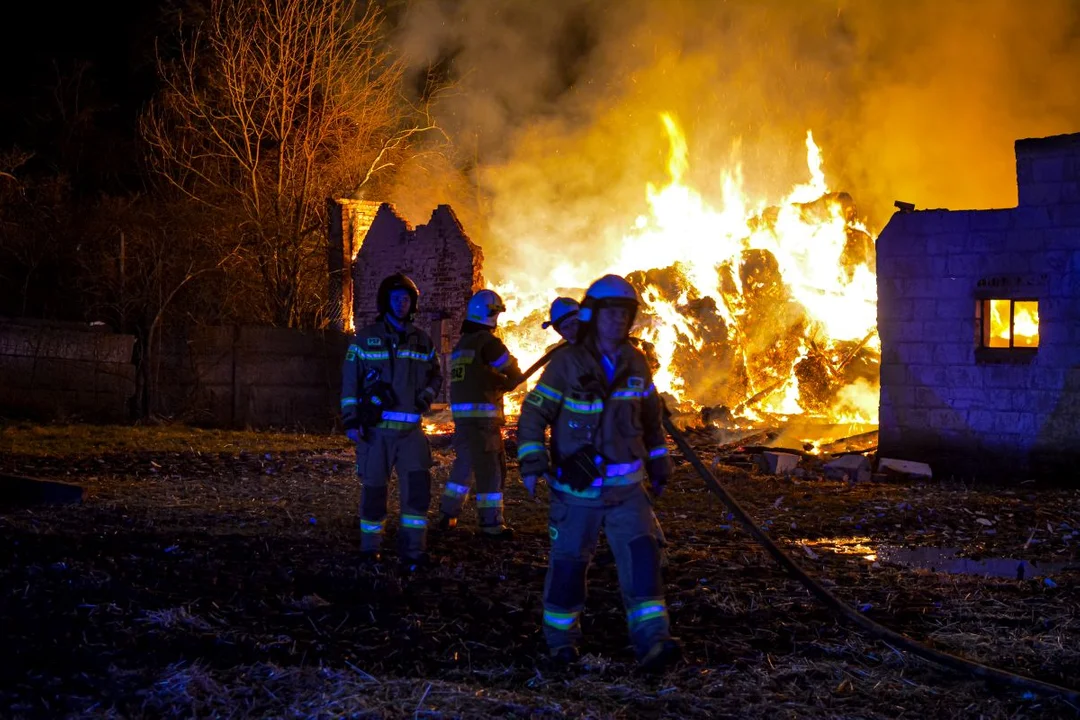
[[390, 377], [598, 398], [482, 370], [564, 318]]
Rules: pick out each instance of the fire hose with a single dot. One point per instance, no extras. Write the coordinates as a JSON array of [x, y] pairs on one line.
[[849, 614], [829, 600], [542, 361]]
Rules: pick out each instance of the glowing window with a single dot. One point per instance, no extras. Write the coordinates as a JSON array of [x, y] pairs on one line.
[[1008, 323]]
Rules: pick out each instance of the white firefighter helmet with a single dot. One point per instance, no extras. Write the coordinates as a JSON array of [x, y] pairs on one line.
[[609, 290], [484, 308], [562, 309]]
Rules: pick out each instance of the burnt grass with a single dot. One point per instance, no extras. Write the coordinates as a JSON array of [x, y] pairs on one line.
[[227, 584]]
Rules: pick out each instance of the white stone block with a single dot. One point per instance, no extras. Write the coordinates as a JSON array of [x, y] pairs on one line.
[[905, 467], [847, 467], [777, 463]]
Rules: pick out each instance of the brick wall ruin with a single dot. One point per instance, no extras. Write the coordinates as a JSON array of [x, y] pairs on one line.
[[445, 264], [947, 398], [350, 221]]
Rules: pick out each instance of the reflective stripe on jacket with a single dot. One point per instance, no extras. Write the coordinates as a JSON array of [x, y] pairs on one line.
[[481, 371], [407, 362], [621, 418]]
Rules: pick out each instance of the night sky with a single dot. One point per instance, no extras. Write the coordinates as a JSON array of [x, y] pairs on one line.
[[42, 54]]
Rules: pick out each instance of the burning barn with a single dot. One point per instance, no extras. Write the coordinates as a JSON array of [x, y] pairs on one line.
[[979, 320]]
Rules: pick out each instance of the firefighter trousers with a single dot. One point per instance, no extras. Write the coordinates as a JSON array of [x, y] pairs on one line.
[[376, 457], [630, 526], [478, 456]]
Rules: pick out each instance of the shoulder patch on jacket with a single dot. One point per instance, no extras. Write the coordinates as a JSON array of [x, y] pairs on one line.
[[374, 342], [636, 383], [534, 398]]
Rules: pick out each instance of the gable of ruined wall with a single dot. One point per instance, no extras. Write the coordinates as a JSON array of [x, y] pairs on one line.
[[940, 403], [455, 270], [385, 249], [438, 256]]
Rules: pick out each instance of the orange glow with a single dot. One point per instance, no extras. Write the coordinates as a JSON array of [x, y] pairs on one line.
[[1026, 324], [736, 295], [1024, 332]]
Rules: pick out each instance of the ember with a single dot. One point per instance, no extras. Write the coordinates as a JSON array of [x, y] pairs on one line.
[[759, 312]]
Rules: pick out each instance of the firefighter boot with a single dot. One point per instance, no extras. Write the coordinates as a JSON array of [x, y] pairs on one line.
[[661, 656], [496, 532], [561, 657]]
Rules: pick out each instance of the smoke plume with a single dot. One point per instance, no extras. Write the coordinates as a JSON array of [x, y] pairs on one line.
[[555, 107]]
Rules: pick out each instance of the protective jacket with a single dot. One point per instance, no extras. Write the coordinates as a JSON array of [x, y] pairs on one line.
[[607, 416], [385, 373], [481, 372], [615, 410]]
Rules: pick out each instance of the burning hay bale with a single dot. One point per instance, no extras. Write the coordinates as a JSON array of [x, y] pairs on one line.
[[756, 315]]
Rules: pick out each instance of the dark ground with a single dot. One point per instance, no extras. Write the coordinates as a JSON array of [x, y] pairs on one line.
[[201, 581]]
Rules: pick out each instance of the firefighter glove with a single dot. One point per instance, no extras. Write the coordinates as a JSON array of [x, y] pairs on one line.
[[350, 420], [530, 482], [658, 485], [424, 399], [659, 469], [353, 434]]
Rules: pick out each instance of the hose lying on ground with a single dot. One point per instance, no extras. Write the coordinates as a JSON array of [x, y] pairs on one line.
[[838, 606], [844, 611]]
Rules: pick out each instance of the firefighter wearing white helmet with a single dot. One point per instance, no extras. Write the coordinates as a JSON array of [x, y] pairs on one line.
[[482, 371], [390, 376], [598, 398]]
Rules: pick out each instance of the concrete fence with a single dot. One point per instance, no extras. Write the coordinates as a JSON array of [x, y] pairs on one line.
[[228, 376], [246, 376], [65, 371]]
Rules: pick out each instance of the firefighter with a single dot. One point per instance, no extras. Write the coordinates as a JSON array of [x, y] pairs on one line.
[[482, 370], [598, 398], [390, 377], [564, 318]]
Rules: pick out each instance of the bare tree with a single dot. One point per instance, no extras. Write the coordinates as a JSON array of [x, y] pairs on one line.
[[145, 259], [270, 107], [34, 215]]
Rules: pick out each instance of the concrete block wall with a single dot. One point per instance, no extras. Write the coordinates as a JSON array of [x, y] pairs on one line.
[[247, 376], [940, 402], [52, 371], [1048, 170]]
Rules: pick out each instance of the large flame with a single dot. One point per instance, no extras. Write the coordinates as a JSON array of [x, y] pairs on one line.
[[762, 309]]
